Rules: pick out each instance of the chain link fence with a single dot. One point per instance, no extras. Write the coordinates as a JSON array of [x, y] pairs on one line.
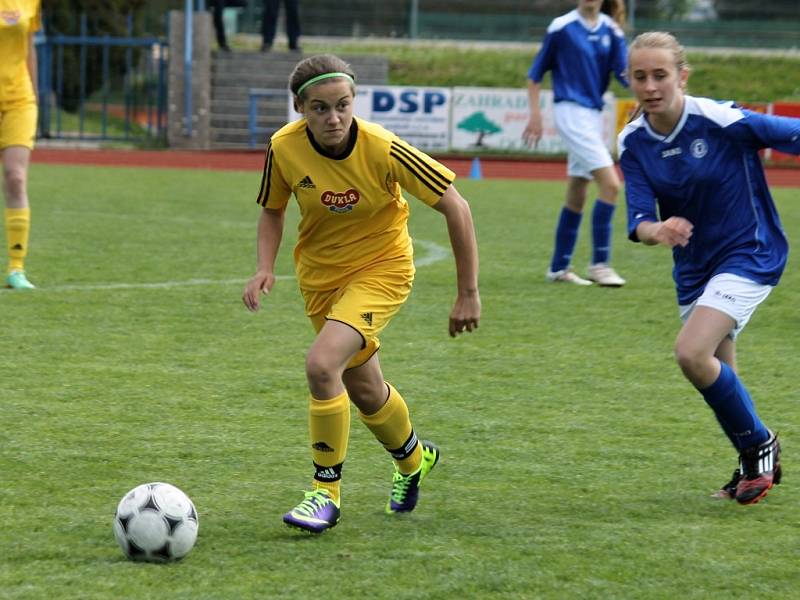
[[729, 23]]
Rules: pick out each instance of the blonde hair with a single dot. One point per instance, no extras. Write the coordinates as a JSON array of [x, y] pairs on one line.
[[660, 40], [314, 66]]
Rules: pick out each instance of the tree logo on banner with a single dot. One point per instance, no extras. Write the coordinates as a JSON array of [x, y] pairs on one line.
[[479, 123]]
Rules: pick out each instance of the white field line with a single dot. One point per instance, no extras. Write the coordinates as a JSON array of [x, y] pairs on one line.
[[433, 254]]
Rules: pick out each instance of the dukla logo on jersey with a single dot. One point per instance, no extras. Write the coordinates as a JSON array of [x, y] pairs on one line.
[[340, 202], [11, 17]]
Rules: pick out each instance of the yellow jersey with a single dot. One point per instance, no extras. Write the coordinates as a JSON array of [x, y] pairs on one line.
[[18, 20], [353, 213]]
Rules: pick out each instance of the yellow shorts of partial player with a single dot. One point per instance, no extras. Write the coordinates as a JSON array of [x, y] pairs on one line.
[[18, 124]]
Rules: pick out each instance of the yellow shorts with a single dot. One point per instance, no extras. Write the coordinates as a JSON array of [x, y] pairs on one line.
[[18, 124], [366, 303]]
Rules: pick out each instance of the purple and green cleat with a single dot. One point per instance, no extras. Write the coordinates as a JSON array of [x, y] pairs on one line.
[[317, 512], [405, 488]]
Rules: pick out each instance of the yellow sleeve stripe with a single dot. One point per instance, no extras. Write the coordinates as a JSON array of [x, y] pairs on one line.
[[266, 178], [412, 159]]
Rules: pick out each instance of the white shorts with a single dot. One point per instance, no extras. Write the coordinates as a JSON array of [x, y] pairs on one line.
[[581, 129], [736, 296]]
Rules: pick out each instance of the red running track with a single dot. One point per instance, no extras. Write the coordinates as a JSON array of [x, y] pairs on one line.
[[493, 168]]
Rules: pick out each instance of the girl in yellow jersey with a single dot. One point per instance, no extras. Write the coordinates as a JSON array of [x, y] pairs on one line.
[[355, 268], [19, 19]]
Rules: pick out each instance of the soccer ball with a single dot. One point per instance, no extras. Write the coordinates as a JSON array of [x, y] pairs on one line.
[[156, 522]]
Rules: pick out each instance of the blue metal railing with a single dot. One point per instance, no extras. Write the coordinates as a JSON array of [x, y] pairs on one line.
[[143, 86], [188, 48]]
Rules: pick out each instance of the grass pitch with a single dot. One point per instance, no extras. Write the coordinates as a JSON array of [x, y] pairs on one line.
[[577, 462]]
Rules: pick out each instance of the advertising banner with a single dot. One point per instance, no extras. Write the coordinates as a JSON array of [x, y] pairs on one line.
[[494, 119], [419, 115]]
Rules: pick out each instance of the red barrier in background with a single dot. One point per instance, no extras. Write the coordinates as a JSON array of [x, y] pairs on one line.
[[555, 170]]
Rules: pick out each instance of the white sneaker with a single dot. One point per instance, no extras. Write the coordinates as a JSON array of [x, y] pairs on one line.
[[566, 275], [602, 274]]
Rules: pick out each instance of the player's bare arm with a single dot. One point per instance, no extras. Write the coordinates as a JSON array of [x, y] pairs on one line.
[[270, 232], [533, 130], [466, 311]]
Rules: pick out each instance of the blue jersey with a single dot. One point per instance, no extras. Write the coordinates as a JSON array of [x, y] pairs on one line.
[[708, 171], [581, 58]]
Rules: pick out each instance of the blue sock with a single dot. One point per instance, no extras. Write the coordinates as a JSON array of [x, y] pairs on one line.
[[602, 214], [566, 236], [734, 410]]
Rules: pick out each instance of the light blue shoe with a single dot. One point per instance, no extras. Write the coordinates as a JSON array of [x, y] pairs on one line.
[[17, 280]]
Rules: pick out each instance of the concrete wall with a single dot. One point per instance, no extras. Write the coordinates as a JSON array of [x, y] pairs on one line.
[[177, 131]]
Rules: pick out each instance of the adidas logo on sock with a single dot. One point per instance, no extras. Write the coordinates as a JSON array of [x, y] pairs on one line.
[[321, 447], [367, 317], [306, 182], [327, 475], [17, 247]]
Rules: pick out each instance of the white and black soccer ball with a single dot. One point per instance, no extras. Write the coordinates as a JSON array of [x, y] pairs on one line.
[[156, 522]]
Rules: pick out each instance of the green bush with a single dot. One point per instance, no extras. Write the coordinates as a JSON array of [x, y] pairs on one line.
[[103, 17]]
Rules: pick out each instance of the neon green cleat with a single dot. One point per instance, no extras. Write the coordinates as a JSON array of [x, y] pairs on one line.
[[405, 488], [17, 280]]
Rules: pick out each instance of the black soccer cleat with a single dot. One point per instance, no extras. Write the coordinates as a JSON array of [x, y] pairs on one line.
[[728, 491], [761, 469]]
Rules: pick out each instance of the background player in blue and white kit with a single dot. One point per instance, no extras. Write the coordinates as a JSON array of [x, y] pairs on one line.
[[694, 182], [582, 48]]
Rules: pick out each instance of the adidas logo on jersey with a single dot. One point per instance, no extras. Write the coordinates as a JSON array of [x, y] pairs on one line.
[[306, 182], [367, 317]]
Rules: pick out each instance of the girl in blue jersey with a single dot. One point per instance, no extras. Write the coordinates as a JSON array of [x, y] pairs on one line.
[[694, 182], [582, 48]]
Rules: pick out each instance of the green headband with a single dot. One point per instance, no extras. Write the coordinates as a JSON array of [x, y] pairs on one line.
[[319, 78]]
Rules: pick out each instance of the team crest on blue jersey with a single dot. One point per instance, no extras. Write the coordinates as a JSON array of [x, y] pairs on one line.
[[699, 148], [340, 202], [606, 40]]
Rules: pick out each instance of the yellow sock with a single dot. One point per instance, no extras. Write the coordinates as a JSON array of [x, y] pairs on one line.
[[391, 425], [329, 424], [333, 487], [18, 226]]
